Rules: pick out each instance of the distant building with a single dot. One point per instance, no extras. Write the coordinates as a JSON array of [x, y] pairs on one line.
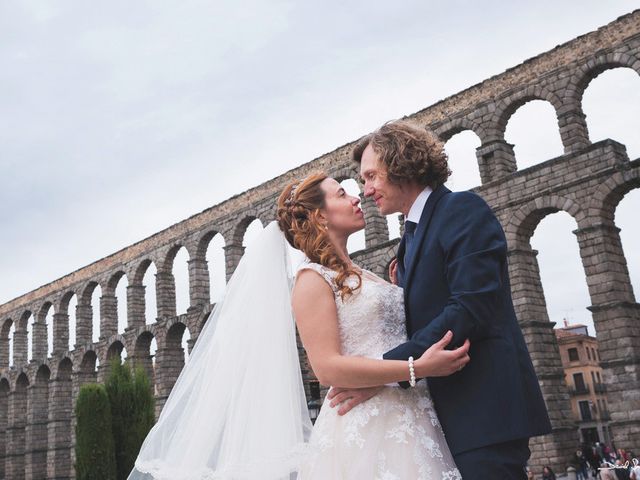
[[583, 374]]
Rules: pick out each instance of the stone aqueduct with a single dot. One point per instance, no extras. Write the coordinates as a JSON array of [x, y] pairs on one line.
[[37, 397]]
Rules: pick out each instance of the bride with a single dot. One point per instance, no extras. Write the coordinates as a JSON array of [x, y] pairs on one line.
[[238, 409]]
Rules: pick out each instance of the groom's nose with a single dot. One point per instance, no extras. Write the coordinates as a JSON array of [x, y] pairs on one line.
[[368, 190]]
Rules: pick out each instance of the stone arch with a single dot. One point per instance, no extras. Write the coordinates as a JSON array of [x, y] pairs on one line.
[[142, 354], [5, 388], [36, 438], [609, 194], [241, 227], [169, 360], [116, 347], [63, 305], [506, 107], [524, 221], [86, 371], [459, 125], [205, 238], [593, 67]]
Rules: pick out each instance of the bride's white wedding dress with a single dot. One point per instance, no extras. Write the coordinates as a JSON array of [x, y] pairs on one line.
[[395, 435]]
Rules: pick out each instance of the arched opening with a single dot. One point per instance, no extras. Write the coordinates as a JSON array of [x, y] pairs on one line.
[[176, 353], [117, 350], [180, 270], [119, 283], [533, 130], [357, 240], [611, 103], [49, 323], [463, 163], [12, 331], [561, 271], [216, 265], [30, 333], [88, 368], [393, 225], [252, 232], [71, 309], [143, 354], [626, 219], [95, 318], [149, 282]]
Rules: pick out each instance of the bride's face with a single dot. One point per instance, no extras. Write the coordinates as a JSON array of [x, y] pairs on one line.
[[341, 211]]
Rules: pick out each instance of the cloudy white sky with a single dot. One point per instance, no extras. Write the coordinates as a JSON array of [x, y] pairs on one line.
[[121, 118]]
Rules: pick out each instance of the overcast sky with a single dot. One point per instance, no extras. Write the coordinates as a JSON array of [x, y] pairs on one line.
[[121, 118]]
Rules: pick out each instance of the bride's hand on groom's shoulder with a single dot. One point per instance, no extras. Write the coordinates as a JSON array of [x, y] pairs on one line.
[[438, 362]]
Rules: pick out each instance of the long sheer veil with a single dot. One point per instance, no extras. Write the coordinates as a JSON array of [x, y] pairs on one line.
[[238, 408]]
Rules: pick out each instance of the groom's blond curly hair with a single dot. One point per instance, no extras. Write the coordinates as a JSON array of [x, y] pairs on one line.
[[409, 153]]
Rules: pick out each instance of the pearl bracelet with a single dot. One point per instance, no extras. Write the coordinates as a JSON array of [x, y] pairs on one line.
[[412, 373]]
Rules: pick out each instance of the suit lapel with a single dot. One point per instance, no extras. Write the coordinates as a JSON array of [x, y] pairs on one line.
[[421, 230]]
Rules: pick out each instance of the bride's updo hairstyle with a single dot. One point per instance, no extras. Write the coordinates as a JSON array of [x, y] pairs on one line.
[[299, 207]]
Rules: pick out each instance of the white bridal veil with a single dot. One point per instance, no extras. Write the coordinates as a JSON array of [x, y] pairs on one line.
[[238, 409]]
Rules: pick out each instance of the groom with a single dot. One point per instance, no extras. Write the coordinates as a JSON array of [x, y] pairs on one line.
[[452, 264]]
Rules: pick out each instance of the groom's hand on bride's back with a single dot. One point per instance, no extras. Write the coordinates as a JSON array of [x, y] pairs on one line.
[[347, 398]]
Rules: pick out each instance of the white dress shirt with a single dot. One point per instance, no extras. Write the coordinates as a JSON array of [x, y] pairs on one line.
[[415, 212]]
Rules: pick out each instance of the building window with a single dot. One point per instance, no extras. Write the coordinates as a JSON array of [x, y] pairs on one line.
[[573, 355], [598, 376], [593, 379], [585, 411], [578, 381], [589, 353]]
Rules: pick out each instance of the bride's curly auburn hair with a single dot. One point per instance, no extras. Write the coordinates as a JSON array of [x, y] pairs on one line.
[[298, 217]]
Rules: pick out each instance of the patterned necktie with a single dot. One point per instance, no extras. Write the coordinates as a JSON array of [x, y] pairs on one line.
[[409, 231]]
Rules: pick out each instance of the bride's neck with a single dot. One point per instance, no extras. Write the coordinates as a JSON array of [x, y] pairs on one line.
[[340, 244]]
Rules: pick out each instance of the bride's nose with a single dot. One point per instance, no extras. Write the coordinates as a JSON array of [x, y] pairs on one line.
[[355, 201]]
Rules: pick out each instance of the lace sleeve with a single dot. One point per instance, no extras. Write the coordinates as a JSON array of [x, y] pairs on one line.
[[326, 273]]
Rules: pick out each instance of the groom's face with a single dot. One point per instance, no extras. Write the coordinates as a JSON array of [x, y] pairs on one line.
[[373, 172]]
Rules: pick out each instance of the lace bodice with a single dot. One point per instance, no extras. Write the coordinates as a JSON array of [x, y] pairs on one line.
[[396, 434], [371, 321]]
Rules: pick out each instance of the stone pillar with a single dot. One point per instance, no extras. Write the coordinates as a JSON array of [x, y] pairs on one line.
[[59, 429], [36, 435], [616, 317], [108, 316], [84, 324], [496, 159], [165, 294], [4, 352], [169, 363], [60, 333], [39, 340], [199, 292], [573, 128], [20, 347], [232, 256], [4, 424], [15, 433], [376, 230], [136, 315], [531, 310]]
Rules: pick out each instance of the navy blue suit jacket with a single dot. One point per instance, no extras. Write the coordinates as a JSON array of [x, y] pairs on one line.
[[457, 279]]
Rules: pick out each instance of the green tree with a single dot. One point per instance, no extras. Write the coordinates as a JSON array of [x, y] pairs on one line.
[[132, 411], [95, 452]]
